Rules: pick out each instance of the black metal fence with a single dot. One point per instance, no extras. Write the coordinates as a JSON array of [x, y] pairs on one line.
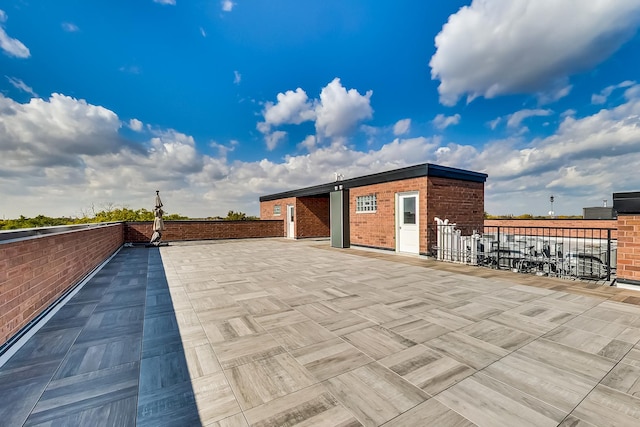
[[585, 253]]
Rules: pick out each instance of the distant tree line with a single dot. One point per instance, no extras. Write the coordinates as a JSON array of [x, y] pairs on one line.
[[108, 214], [239, 216]]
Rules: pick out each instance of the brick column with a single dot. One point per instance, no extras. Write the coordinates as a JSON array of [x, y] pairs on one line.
[[628, 267]]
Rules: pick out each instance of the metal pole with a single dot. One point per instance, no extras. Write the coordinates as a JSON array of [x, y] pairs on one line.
[[608, 255], [498, 253]]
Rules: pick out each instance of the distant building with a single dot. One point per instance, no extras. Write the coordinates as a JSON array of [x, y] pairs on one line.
[[599, 212]]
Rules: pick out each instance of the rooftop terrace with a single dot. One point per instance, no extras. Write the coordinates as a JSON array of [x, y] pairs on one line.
[[274, 332]]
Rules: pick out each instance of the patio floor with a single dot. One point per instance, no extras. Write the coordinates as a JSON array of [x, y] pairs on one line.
[[273, 332]]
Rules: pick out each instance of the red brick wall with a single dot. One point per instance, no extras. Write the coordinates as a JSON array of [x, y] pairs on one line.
[[139, 232], [378, 228], [312, 217], [560, 223], [628, 247], [36, 271], [266, 211], [461, 202], [458, 201]]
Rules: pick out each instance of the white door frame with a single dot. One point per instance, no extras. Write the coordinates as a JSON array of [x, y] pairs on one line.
[[414, 244], [291, 230]]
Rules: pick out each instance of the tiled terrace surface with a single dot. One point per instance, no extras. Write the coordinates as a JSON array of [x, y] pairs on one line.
[[277, 333]]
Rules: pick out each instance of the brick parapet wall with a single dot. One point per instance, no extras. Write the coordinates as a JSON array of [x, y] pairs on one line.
[[378, 229], [36, 271], [591, 228], [628, 267], [141, 232]]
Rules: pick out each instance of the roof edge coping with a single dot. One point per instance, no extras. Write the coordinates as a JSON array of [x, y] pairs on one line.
[[415, 171]]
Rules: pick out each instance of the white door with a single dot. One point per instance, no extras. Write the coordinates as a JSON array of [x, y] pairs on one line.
[[408, 234], [290, 224]]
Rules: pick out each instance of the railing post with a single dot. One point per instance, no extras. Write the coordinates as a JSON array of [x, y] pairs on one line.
[[608, 254], [498, 253]]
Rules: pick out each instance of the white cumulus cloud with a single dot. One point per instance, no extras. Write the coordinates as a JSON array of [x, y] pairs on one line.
[[43, 135], [274, 138], [223, 149], [401, 127], [11, 46], [227, 5], [70, 154], [515, 120], [602, 97], [292, 107], [175, 152], [309, 143], [584, 142], [340, 110], [336, 113], [493, 124], [169, 2], [497, 47], [135, 125], [442, 122]]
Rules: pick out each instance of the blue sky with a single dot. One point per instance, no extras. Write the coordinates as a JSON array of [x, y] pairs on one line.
[[216, 103]]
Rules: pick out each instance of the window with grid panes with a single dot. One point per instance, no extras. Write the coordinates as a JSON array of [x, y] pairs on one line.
[[276, 210], [368, 203]]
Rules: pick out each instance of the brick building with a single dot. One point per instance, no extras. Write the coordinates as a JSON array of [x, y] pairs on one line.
[[393, 210]]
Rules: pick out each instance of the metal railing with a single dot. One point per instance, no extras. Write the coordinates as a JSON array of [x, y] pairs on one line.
[[584, 253]]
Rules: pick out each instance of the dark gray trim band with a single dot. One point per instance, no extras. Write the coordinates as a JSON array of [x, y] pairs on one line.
[[416, 171], [628, 282]]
